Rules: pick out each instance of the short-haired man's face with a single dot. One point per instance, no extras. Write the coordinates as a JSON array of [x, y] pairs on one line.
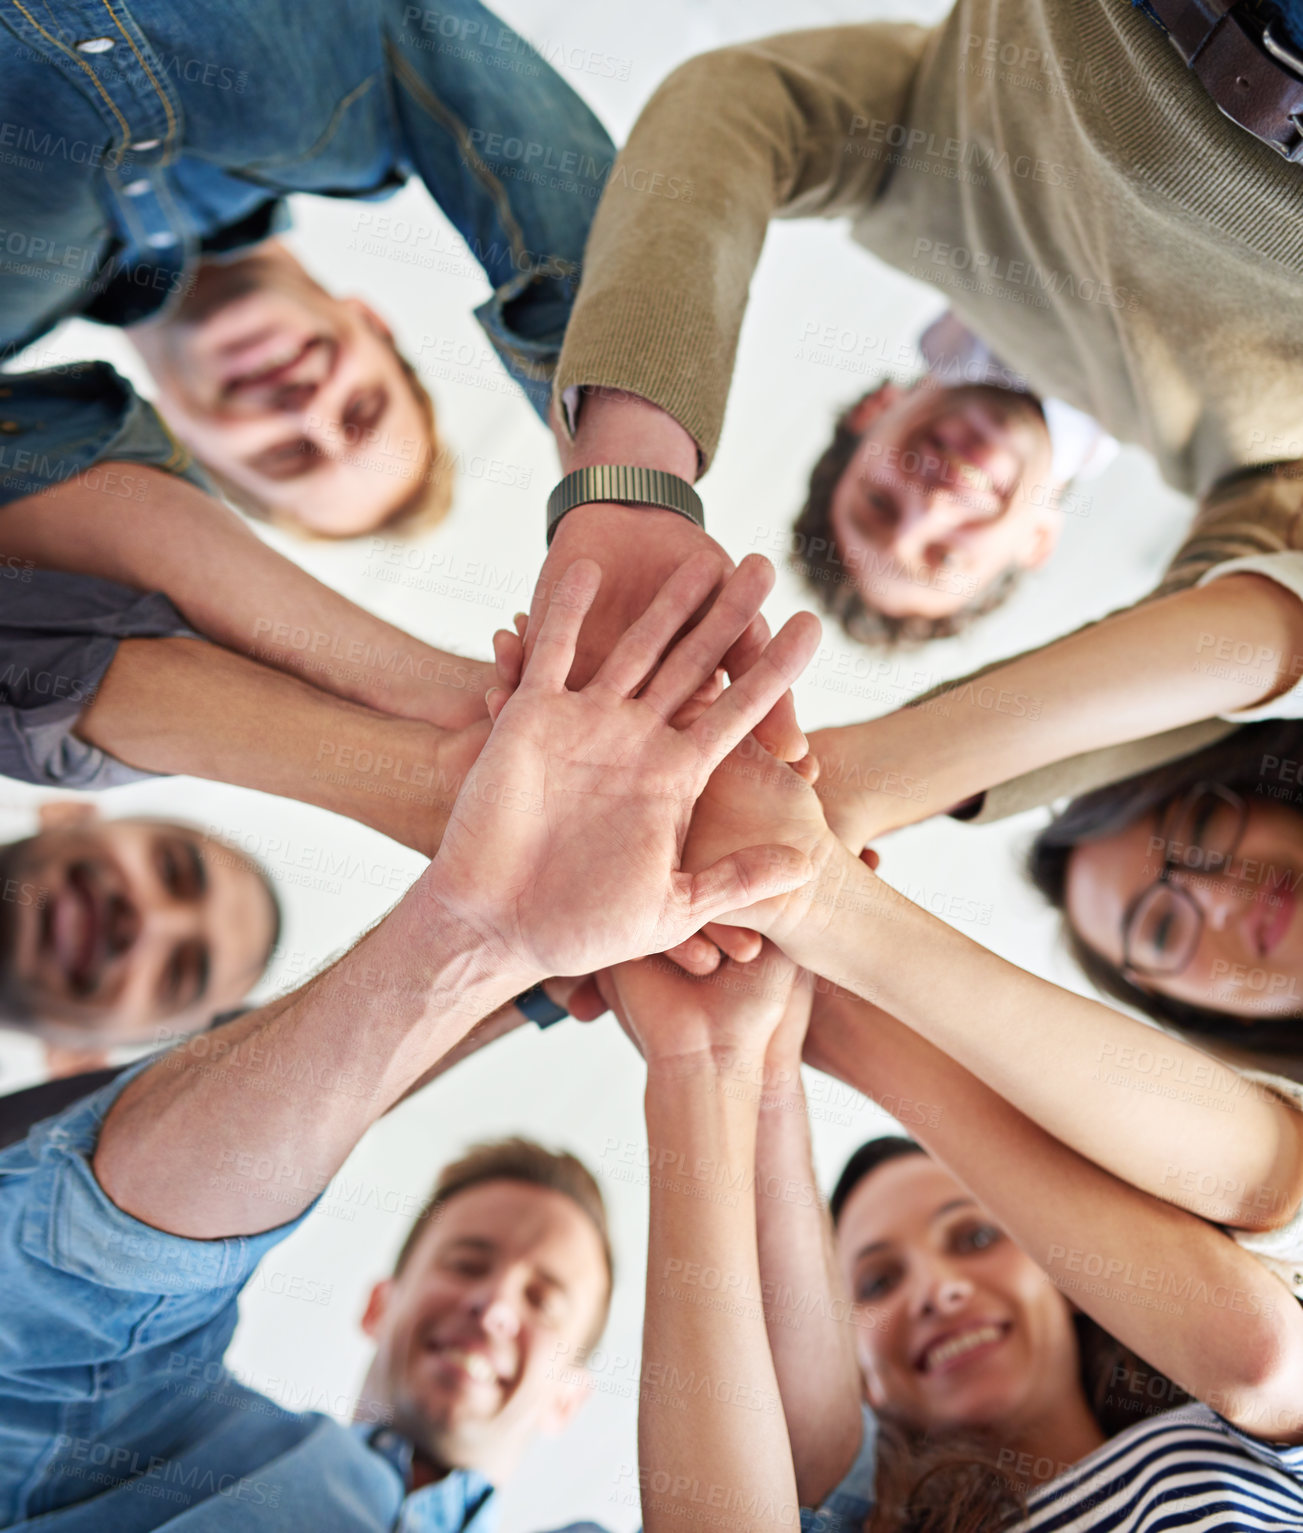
[[476, 1335], [948, 489], [111, 929], [294, 396]]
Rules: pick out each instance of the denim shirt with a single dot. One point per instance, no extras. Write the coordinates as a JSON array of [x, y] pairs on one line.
[[118, 1414], [136, 139]]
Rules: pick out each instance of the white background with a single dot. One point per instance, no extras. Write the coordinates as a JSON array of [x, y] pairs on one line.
[[581, 1087]]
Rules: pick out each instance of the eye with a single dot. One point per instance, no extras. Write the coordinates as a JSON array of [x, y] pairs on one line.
[[548, 1304], [875, 1283], [976, 1237]]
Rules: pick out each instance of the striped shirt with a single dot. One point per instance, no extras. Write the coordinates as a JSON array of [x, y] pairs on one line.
[[1186, 1469]]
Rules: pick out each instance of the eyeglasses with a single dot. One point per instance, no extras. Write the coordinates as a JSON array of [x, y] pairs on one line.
[[1200, 833]]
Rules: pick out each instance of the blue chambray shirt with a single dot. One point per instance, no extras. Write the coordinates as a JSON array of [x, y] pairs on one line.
[[137, 138], [118, 1415]]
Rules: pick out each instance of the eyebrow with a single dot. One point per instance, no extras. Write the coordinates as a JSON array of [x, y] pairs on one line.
[[939, 1213]]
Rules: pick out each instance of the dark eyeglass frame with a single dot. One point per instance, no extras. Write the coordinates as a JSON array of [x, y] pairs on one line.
[[1173, 816]]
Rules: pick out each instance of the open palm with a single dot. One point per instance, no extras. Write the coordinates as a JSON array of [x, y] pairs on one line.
[[565, 843]]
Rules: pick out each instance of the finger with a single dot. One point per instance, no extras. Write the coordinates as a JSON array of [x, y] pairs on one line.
[[807, 767], [581, 998], [697, 655], [752, 695], [739, 942], [870, 859], [640, 648], [744, 878], [778, 731], [508, 658], [495, 700], [520, 622], [696, 956], [567, 606]]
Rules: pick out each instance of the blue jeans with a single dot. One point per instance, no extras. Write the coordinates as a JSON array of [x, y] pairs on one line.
[[136, 139]]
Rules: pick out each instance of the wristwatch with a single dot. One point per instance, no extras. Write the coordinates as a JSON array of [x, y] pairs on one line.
[[540, 1008], [627, 486]]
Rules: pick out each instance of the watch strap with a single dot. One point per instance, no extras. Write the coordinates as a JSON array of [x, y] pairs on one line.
[[627, 486], [540, 1008]]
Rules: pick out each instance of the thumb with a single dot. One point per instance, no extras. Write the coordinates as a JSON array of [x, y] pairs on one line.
[[744, 878]]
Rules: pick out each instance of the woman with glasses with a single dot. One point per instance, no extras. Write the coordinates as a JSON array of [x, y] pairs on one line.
[[1180, 889]]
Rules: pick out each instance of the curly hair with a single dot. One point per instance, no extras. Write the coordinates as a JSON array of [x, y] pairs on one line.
[[815, 555]]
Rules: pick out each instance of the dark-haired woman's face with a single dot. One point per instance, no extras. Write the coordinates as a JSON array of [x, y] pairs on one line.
[[957, 1327], [1232, 942]]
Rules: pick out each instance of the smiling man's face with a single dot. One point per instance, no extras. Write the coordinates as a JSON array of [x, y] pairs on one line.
[[947, 490], [296, 398], [476, 1332], [111, 929]]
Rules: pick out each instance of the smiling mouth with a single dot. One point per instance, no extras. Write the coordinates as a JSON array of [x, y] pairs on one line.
[[953, 1351], [71, 929], [465, 1360]]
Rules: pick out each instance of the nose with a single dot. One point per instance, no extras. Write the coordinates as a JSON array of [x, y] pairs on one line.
[[924, 521], [941, 1291], [122, 925], [1221, 897], [494, 1305]]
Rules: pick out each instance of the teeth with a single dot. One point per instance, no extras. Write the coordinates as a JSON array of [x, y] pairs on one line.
[[475, 1363], [956, 1345]]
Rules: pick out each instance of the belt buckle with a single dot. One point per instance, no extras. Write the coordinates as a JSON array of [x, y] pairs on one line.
[[1292, 61]]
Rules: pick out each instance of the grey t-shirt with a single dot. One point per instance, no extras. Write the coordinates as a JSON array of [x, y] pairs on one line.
[[58, 635]]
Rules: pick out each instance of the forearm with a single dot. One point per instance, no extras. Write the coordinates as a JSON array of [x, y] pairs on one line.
[[729, 1441], [237, 591], [728, 141], [236, 1135], [1227, 1330], [807, 1314], [1135, 674], [187, 706], [1148, 1107]]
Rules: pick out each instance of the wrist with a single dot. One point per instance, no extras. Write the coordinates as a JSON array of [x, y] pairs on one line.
[[615, 427], [474, 964]]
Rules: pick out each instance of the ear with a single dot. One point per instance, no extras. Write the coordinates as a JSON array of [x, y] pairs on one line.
[[569, 1395], [1044, 538], [377, 1306], [63, 814], [862, 415], [363, 311]]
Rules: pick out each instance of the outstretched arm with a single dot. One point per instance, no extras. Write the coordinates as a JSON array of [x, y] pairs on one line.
[[1167, 1284], [239, 592], [1096, 1079], [1138, 673], [678, 1021], [186, 706], [533, 878]]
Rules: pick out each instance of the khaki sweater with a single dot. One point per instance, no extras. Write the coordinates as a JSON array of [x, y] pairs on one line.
[[1051, 167]]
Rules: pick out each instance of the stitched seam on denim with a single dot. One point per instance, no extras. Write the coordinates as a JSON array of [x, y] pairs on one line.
[[83, 65], [425, 98], [327, 133], [131, 43]]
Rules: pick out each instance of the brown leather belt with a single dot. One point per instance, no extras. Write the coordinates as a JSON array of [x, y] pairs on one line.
[[1245, 63]]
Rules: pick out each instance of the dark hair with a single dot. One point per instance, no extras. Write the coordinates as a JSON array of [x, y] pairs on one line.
[[1243, 762], [520, 1160], [817, 558], [928, 1482]]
